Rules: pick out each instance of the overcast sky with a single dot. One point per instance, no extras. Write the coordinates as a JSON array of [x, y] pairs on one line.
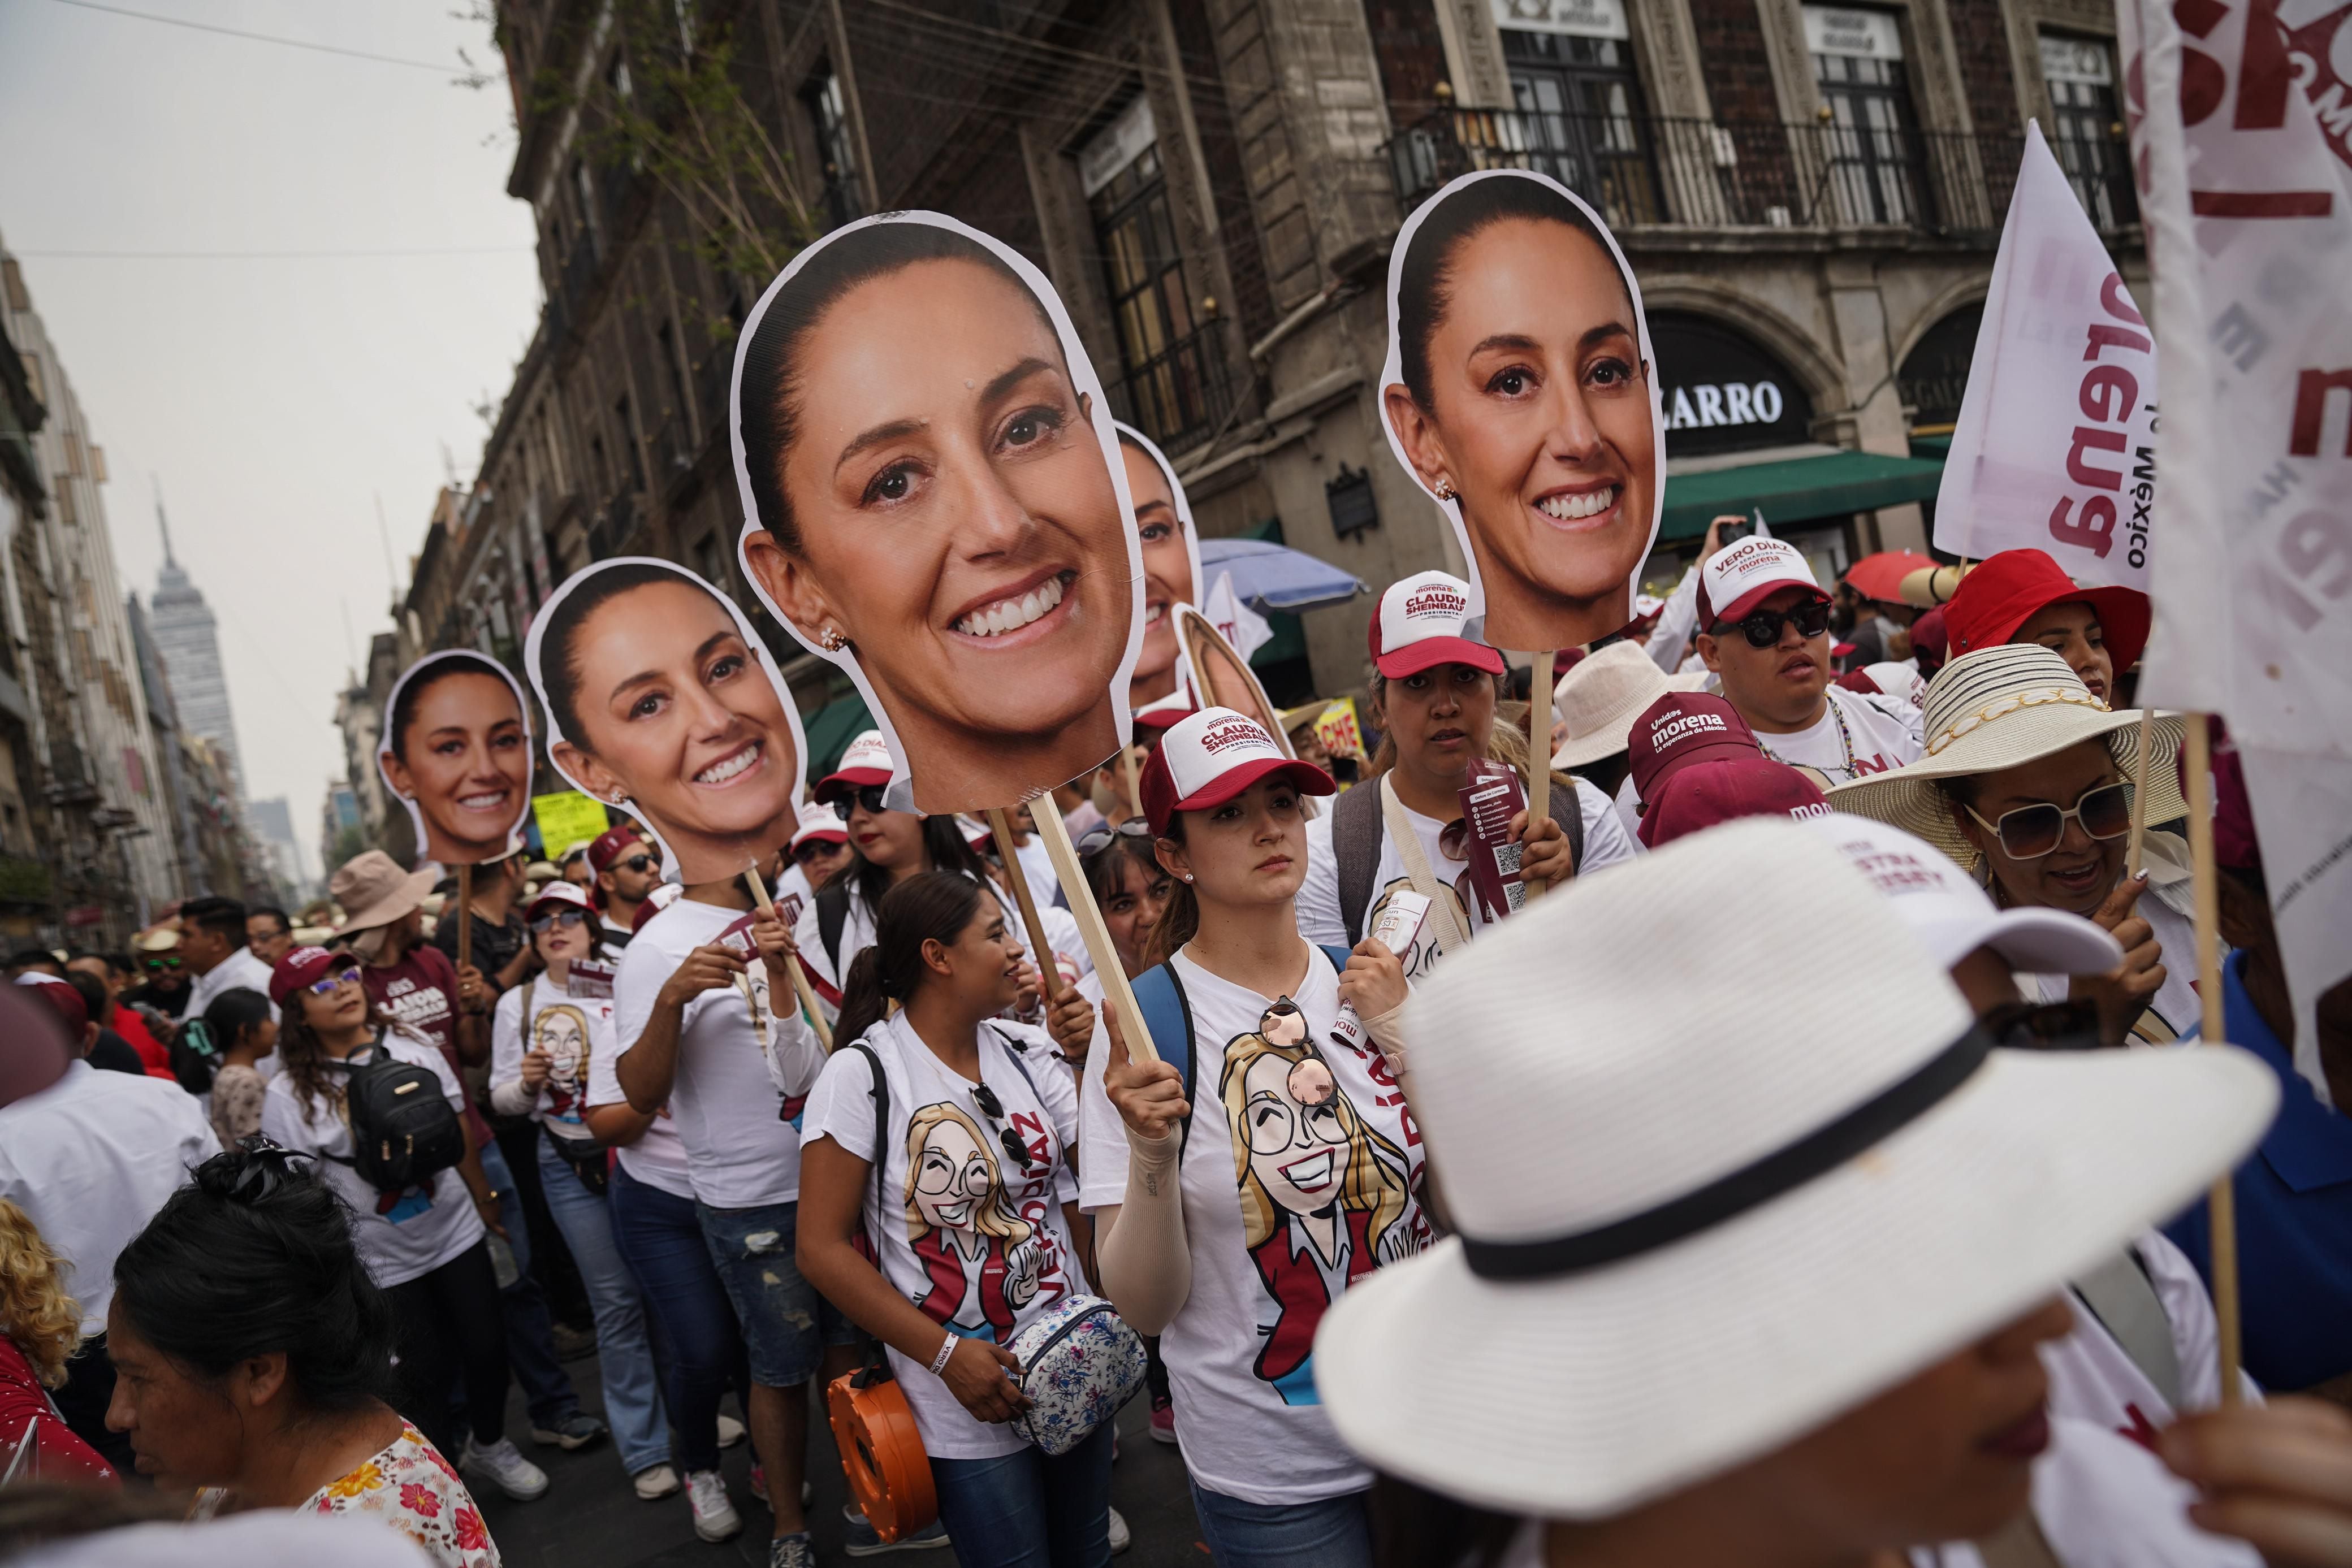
[[276, 398]]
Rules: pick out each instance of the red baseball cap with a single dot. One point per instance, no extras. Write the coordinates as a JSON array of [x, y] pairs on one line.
[[1681, 729], [868, 761], [612, 844], [63, 1001], [1419, 626], [818, 822], [1722, 788], [1736, 579], [2006, 590], [304, 966], [570, 893], [1207, 759]]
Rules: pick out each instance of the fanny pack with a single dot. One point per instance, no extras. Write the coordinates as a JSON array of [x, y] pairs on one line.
[[1079, 1363]]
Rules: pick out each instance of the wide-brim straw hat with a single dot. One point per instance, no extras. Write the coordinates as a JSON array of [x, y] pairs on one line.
[[1603, 1074], [2002, 707], [1600, 700]]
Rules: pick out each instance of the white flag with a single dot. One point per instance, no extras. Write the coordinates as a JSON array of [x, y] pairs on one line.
[[2056, 445], [2249, 216], [1236, 623]]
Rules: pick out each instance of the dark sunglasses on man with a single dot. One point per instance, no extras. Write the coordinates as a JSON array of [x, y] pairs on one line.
[[637, 866], [2030, 833], [866, 795], [162, 965], [541, 923], [1762, 628]]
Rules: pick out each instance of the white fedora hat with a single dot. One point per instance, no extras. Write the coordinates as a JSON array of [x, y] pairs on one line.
[[1600, 700], [1710, 1195], [2002, 707]]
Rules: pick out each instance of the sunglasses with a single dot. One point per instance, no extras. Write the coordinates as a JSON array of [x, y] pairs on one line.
[[866, 795], [162, 966], [2045, 1026], [545, 923], [1098, 840], [816, 849], [335, 982], [640, 864], [2028, 832], [993, 1109], [1763, 628]]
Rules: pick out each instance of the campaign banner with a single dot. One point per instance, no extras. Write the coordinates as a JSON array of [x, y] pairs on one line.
[[1171, 562], [2054, 448], [2248, 205], [455, 752], [567, 818]]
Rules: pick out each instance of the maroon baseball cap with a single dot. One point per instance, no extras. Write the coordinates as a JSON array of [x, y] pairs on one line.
[[1722, 788], [304, 966], [1681, 729], [63, 1001], [612, 844]]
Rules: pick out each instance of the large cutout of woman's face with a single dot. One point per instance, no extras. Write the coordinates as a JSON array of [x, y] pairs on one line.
[[659, 698], [1520, 393], [934, 502], [456, 750], [1172, 561]]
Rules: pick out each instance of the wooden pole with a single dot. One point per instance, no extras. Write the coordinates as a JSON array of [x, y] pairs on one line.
[[1099, 947], [466, 915], [2139, 799], [801, 986], [1539, 748], [1049, 976], [2221, 1201]]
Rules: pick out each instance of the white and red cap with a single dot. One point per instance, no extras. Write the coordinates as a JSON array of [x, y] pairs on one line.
[[868, 761], [819, 822], [1419, 625], [1207, 759], [560, 891], [1737, 579], [1952, 916]]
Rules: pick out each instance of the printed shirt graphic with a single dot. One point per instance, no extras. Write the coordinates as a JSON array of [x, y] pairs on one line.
[[408, 1486], [1301, 1174], [1884, 731], [974, 1239], [572, 1030]]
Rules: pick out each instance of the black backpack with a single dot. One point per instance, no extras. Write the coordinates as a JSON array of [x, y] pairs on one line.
[[404, 1133]]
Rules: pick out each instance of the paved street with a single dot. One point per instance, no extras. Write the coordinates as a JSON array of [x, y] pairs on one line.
[[590, 1518]]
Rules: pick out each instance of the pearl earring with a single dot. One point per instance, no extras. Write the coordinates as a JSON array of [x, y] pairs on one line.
[[1188, 877], [1444, 489], [834, 641]]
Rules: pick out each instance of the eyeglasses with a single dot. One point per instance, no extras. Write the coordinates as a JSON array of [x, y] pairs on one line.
[[637, 863], [1763, 628], [542, 923], [2028, 832], [866, 795], [993, 1109], [333, 983], [2045, 1026], [816, 849], [1098, 840]]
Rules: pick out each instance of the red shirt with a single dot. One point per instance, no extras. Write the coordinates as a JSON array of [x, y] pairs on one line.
[[133, 1028], [61, 1455], [420, 992]]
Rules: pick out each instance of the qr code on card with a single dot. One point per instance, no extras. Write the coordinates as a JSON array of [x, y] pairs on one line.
[[1507, 859]]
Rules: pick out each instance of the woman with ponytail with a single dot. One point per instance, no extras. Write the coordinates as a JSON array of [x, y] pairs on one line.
[[254, 1356], [964, 1212]]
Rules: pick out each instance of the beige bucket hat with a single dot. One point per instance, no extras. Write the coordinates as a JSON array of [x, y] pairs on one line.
[[2002, 707], [1600, 700], [375, 892]]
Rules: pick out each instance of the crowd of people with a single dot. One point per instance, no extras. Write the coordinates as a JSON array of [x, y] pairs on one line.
[[1800, 1166]]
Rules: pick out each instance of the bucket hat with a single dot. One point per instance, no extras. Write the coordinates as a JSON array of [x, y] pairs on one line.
[[2002, 707], [1680, 1247], [1602, 697], [2004, 591], [375, 891]]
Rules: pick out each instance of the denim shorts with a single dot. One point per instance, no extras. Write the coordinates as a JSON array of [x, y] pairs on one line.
[[786, 1324]]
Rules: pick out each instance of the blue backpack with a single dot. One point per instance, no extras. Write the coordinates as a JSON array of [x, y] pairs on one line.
[[1167, 1019]]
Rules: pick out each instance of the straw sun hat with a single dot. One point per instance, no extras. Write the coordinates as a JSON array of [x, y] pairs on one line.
[[1710, 1195], [2003, 707]]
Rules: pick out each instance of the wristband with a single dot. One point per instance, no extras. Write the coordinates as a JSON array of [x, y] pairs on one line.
[[947, 1349]]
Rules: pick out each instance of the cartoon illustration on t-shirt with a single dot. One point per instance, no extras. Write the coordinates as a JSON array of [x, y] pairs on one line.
[[562, 1031], [1325, 1198], [984, 1261]]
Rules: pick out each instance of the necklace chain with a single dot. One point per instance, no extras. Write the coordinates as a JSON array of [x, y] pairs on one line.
[[1845, 739]]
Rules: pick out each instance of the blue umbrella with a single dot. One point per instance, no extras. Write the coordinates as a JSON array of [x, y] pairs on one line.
[[1271, 577]]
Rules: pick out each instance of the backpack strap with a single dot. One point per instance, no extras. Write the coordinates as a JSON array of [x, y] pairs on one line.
[[880, 1091], [1168, 1019], [374, 1048], [1356, 852], [832, 916]]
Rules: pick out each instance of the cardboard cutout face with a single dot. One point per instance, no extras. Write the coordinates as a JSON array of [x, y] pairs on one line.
[[934, 502], [1521, 391], [1172, 561], [660, 699], [456, 751]]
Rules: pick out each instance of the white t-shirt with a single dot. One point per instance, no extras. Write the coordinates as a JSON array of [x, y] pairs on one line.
[[400, 1236], [2093, 1379], [1265, 1266], [239, 971], [975, 1241], [1628, 805], [573, 1031], [857, 933], [2176, 1001], [1606, 843], [1884, 732], [737, 1103], [658, 1158]]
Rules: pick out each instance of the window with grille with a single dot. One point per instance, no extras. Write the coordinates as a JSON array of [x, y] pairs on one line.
[[1577, 117], [1870, 148], [845, 196], [2086, 128]]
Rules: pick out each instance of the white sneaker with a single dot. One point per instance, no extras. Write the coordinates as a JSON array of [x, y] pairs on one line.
[[715, 1518], [730, 1431], [1119, 1537], [654, 1481], [506, 1468]]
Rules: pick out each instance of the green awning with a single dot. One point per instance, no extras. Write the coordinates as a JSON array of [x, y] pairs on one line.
[[1938, 448], [830, 730], [1797, 489]]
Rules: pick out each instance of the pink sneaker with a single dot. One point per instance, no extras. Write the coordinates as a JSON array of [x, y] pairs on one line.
[[1163, 1421], [759, 1483]]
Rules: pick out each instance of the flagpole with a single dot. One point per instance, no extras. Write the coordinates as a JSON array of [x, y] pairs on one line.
[[2221, 1203]]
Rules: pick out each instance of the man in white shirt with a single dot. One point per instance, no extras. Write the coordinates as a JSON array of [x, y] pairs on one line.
[[89, 1160], [215, 947], [1764, 630]]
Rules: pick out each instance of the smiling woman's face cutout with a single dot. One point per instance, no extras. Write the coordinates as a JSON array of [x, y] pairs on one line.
[[456, 750], [956, 538], [1164, 532], [1521, 394]]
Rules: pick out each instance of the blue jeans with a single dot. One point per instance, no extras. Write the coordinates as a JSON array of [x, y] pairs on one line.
[[625, 1353], [786, 1324], [530, 1333], [1026, 1510], [701, 1349], [1331, 1532]]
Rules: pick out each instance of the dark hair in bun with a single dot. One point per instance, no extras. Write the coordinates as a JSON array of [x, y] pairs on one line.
[[254, 1255]]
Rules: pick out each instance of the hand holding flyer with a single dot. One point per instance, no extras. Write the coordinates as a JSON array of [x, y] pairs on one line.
[[1491, 797]]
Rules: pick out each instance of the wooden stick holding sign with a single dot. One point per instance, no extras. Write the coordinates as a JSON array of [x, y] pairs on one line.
[[801, 986], [1100, 947], [466, 914], [1049, 973], [2139, 799], [1538, 753], [2221, 1203]]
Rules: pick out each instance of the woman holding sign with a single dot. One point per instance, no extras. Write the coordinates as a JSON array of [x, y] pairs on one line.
[[1520, 393], [933, 503], [456, 750]]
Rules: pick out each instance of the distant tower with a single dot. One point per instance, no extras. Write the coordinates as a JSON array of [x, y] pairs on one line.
[[184, 632]]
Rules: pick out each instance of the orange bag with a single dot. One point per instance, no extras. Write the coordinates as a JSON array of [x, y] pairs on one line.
[[881, 1451]]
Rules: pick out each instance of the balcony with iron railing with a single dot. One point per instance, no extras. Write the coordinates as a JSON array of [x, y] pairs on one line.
[[1179, 395], [1642, 171]]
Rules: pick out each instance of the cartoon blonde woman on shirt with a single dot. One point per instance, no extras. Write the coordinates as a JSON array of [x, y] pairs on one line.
[[1324, 1199], [984, 1261], [562, 1031]]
